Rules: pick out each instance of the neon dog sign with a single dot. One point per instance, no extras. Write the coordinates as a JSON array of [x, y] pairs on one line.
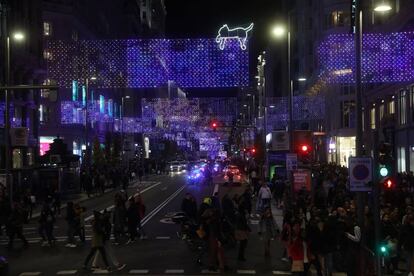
[[239, 33]]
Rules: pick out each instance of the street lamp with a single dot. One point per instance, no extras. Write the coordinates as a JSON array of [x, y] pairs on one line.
[[302, 79], [381, 7], [17, 36], [278, 31]]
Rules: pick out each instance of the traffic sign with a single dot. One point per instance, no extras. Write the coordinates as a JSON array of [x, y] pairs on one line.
[[291, 161], [360, 174]]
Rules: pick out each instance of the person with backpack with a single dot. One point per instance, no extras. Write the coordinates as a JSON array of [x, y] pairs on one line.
[[98, 232]]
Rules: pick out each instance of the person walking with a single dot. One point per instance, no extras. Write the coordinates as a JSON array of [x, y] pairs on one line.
[[141, 214], [189, 207], [71, 224], [268, 229], [242, 233], [98, 232], [46, 223], [119, 219], [132, 217], [264, 197], [15, 225], [98, 260], [80, 222]]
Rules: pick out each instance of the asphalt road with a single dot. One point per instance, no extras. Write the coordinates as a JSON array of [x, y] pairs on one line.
[[162, 253]]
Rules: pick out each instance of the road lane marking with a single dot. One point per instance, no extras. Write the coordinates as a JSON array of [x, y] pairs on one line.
[[138, 271], [66, 272], [163, 238], [101, 271], [276, 272], [245, 271], [30, 273], [174, 271], [206, 271], [113, 206], [162, 205]]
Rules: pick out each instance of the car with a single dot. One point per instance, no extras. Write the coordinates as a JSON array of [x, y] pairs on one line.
[[231, 169], [195, 176], [175, 166]]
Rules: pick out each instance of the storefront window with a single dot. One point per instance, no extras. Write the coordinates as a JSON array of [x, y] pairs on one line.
[[372, 118], [391, 107], [348, 114], [401, 159], [381, 112], [346, 149]]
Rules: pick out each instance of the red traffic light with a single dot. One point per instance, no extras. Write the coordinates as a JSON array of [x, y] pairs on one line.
[[388, 183], [214, 125], [304, 148], [253, 150]]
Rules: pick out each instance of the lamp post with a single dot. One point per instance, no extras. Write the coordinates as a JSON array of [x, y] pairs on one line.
[[122, 123], [17, 36], [381, 6], [278, 32], [87, 147]]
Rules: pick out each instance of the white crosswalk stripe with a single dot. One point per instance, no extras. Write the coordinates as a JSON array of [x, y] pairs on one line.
[[138, 271], [30, 274], [245, 271], [174, 271], [276, 272], [67, 272]]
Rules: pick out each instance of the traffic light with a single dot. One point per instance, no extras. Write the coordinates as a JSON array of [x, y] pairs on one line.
[[302, 145], [253, 151], [389, 183], [214, 125], [385, 160], [305, 148]]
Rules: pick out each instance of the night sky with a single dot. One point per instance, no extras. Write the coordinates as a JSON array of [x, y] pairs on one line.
[[203, 18]]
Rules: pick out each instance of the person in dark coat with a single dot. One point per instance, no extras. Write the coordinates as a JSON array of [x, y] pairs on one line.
[[15, 225], [46, 223], [71, 221], [189, 206], [133, 219]]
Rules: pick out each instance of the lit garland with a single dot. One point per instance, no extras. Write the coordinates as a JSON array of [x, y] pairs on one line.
[[385, 58], [140, 63]]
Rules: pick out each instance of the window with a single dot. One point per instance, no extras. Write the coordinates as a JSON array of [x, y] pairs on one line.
[[17, 159], [47, 28], [401, 159], [372, 118], [348, 114], [75, 35], [47, 55], [391, 107], [337, 18], [412, 104], [402, 107], [381, 112]]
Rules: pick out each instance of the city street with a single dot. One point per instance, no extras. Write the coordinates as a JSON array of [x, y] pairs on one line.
[[204, 137], [161, 253]]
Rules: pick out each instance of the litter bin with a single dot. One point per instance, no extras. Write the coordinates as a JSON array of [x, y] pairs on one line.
[[4, 266]]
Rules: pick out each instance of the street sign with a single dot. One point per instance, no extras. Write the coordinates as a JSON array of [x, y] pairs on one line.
[[280, 140], [302, 180], [360, 174], [291, 161]]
